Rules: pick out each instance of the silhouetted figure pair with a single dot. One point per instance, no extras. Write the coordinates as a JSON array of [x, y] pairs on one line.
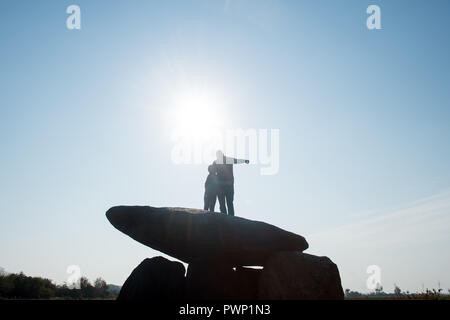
[[221, 180]]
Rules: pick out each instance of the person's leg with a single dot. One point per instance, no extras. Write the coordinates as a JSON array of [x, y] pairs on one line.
[[205, 202], [221, 196], [212, 205], [230, 197]]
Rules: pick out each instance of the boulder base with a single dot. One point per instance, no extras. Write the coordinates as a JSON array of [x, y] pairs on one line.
[[299, 276], [215, 280], [154, 279]]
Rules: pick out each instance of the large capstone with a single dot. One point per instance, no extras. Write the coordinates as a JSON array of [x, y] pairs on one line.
[[191, 234]]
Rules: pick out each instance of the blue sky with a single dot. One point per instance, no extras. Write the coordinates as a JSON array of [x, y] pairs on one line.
[[363, 118]]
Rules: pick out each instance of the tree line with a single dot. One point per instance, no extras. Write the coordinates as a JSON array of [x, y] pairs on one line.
[[378, 293], [20, 286]]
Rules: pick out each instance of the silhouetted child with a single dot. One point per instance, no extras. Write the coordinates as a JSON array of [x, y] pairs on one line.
[[210, 190]]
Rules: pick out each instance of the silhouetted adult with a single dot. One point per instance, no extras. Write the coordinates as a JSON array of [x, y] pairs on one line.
[[223, 167]]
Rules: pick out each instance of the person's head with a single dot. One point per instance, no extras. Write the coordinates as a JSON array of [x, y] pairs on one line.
[[211, 169], [219, 155]]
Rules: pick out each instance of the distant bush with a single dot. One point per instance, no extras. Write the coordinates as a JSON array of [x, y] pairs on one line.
[[398, 295], [20, 286]]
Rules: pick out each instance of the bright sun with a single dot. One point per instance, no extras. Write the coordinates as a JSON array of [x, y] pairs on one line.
[[197, 112]]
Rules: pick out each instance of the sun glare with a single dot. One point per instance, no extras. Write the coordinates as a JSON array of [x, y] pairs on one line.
[[197, 112]]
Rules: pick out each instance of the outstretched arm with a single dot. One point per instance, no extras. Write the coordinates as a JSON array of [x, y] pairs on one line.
[[236, 161]]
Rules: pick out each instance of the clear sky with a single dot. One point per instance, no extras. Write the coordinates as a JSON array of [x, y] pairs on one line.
[[363, 117]]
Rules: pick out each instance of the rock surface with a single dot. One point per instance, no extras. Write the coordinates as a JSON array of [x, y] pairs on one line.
[[209, 280], [299, 276], [217, 246], [190, 234], [153, 279], [248, 281], [214, 280]]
